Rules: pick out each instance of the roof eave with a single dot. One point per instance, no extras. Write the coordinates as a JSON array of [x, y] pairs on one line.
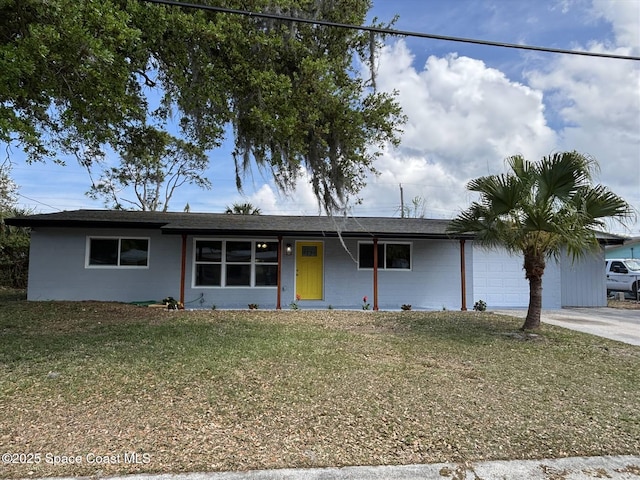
[[35, 223], [169, 230]]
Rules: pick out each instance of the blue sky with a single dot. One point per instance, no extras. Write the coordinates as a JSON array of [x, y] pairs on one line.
[[469, 107]]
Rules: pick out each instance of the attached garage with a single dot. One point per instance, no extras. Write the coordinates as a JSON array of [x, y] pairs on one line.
[[498, 279]]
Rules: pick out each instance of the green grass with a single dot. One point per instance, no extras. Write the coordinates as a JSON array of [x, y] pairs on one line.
[[229, 390]]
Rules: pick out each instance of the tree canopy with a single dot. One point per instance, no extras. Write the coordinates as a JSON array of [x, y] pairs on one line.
[[77, 76], [541, 210], [242, 209], [14, 241], [152, 165]]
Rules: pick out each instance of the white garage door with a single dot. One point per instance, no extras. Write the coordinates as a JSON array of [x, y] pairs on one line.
[[498, 279]]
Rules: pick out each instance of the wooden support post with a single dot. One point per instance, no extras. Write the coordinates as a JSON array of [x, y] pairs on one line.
[[463, 277], [183, 267], [279, 275], [375, 273]]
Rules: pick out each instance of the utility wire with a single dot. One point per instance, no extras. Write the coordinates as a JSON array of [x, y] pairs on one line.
[[39, 202], [390, 31]]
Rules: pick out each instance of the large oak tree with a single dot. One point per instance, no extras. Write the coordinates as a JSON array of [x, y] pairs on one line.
[[76, 76]]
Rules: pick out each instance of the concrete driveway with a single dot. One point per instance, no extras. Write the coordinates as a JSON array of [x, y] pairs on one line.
[[614, 323]]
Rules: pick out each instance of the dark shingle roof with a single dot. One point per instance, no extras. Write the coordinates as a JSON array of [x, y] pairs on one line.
[[224, 224]]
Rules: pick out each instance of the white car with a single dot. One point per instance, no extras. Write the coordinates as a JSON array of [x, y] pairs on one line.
[[623, 275]]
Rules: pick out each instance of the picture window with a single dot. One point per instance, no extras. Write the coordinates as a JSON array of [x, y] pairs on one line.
[[391, 256], [236, 263]]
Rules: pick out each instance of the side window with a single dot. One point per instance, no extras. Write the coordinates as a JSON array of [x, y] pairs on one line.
[[103, 251], [134, 252], [114, 252], [618, 267]]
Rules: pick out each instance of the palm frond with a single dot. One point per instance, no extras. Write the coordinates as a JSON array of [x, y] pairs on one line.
[[598, 202], [521, 168], [471, 220], [501, 193], [488, 229], [541, 207], [560, 175]]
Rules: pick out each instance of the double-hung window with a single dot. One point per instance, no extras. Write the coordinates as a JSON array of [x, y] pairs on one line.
[[114, 252], [391, 256], [235, 263]]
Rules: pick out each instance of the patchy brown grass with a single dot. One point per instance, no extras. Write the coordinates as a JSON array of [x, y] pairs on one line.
[[626, 304], [237, 390]]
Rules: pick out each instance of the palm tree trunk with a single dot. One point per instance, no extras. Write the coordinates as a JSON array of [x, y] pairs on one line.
[[534, 265]]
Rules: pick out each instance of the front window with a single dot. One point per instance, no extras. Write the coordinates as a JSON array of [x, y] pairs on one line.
[[236, 263], [266, 264], [632, 264], [113, 252], [238, 271], [208, 263], [391, 256], [397, 255]]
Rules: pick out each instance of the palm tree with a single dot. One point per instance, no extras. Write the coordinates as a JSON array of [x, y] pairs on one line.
[[242, 209], [540, 210]]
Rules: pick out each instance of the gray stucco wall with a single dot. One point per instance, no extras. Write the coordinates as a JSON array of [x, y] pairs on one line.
[[58, 271], [57, 268], [584, 281], [498, 279]]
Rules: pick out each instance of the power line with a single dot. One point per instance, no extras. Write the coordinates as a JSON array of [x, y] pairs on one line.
[[390, 31], [39, 202]]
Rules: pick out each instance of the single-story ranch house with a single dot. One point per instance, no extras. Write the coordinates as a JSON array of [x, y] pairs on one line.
[[231, 261]]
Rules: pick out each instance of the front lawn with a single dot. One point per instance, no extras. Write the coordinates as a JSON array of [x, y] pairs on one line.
[[111, 385]]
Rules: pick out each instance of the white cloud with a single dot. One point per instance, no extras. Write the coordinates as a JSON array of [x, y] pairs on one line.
[[624, 16], [464, 119], [598, 101], [265, 199], [272, 202]]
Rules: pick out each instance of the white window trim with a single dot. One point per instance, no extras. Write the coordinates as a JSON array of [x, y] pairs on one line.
[[223, 263], [87, 252], [381, 263]]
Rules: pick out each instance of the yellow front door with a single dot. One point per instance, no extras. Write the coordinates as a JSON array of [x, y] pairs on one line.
[[309, 270]]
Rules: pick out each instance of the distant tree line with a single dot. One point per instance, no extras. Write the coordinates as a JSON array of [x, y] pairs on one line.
[[14, 241]]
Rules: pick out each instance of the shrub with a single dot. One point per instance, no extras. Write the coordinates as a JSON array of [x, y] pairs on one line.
[[480, 306]]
